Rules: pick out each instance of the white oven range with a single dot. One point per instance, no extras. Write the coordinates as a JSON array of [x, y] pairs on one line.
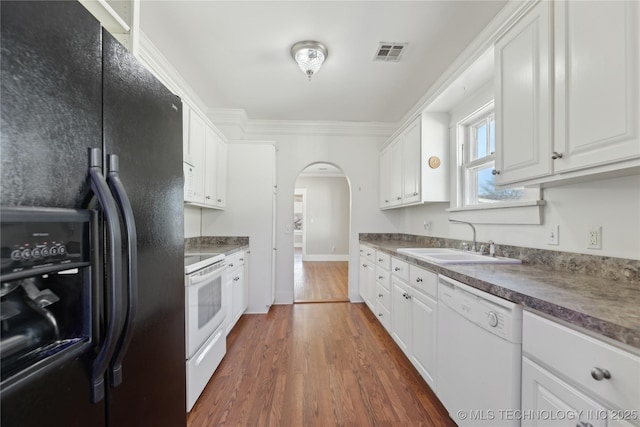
[[204, 322]]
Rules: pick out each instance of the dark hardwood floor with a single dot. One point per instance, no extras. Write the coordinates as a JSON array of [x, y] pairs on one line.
[[320, 281], [315, 365]]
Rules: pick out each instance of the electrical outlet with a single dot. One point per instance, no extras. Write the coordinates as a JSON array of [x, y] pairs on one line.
[[594, 237], [553, 235], [427, 226]]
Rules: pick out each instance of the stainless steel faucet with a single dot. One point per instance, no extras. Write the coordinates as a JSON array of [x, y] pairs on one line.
[[473, 248]]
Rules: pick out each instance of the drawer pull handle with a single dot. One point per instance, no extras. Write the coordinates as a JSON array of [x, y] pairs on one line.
[[397, 269], [380, 277], [419, 279], [379, 314], [379, 259], [600, 374], [380, 295]]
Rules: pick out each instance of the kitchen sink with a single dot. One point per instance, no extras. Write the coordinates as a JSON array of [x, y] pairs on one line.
[[454, 256]]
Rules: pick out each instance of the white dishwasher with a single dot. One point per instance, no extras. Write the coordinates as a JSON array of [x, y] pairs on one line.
[[478, 355]]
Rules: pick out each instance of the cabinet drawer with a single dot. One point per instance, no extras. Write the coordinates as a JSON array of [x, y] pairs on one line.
[[423, 280], [383, 277], [368, 252], [383, 315], [383, 296], [400, 269], [235, 260], [383, 260], [574, 355]]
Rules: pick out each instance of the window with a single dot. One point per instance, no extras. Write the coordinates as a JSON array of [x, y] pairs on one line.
[[477, 143]]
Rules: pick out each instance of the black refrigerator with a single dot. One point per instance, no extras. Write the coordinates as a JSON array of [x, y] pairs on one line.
[[92, 236]]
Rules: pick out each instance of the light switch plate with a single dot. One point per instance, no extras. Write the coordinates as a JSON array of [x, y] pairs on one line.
[[553, 236]]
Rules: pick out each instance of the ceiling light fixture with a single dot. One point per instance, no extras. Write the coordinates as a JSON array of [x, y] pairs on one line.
[[309, 55]]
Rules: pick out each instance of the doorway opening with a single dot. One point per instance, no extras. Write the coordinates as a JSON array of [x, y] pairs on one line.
[[321, 216]]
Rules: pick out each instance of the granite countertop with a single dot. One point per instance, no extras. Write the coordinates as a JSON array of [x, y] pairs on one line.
[[607, 307], [219, 244]]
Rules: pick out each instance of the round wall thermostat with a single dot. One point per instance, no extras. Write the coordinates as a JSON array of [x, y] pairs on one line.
[[434, 162]]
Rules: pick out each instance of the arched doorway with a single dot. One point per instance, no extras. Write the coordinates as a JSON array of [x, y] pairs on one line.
[[322, 211]]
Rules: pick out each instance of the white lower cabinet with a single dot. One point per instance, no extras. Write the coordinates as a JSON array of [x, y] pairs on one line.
[[423, 336], [383, 289], [576, 377], [235, 289], [413, 317], [401, 314], [543, 392], [367, 280]]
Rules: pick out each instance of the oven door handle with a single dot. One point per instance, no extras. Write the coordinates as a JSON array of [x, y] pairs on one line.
[[120, 194], [114, 292], [195, 280]]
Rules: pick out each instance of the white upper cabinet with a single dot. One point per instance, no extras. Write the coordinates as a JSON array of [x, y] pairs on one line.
[[411, 163], [211, 166], [194, 158], [385, 174], [597, 46], [395, 173], [413, 167], [567, 84], [221, 174], [522, 103], [205, 162]]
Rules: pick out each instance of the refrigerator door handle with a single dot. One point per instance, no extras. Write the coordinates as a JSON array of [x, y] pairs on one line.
[[114, 293], [120, 194]]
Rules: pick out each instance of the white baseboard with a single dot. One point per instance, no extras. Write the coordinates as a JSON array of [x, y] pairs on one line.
[[326, 257]]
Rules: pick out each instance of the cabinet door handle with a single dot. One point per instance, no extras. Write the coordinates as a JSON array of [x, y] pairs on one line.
[[379, 295], [379, 314], [556, 155], [380, 277], [495, 172], [379, 259], [600, 374], [364, 265], [219, 200], [415, 193], [386, 201], [419, 279], [398, 198], [397, 269], [208, 197]]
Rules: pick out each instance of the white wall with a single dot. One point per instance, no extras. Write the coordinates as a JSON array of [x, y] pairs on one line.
[[613, 204], [357, 156], [249, 213], [192, 221], [327, 216]]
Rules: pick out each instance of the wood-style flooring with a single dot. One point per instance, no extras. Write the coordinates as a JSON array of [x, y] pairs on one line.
[[320, 281], [315, 365]]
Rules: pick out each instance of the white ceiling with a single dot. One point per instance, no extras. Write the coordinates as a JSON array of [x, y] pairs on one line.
[[236, 54]]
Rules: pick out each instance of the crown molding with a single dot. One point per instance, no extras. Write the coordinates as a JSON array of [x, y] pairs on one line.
[[249, 127]]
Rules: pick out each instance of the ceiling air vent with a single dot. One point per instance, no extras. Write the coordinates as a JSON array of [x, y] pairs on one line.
[[389, 51]]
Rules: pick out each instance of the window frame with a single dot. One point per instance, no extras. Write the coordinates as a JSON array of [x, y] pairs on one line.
[[459, 202]]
